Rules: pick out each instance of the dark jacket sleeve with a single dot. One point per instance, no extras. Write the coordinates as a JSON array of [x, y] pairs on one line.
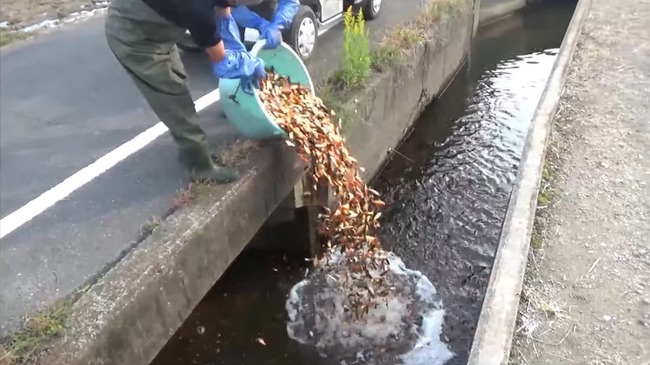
[[200, 17]]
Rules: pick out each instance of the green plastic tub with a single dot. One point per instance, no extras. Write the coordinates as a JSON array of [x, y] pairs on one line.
[[245, 111]]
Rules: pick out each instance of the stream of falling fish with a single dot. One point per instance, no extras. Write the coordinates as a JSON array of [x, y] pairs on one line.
[[350, 228], [360, 304]]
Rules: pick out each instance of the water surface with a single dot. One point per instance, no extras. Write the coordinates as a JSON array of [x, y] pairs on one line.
[[448, 186], [447, 189]]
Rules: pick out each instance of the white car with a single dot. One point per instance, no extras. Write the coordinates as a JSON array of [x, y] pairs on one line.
[[313, 18]]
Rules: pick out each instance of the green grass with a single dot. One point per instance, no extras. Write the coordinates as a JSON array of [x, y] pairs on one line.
[[359, 59], [544, 199], [395, 45], [545, 194], [356, 59], [39, 330], [334, 95], [8, 36]]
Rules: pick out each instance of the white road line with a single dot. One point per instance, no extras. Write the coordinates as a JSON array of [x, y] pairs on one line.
[[38, 205]]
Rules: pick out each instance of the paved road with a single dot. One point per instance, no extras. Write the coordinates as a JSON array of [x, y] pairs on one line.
[[64, 102]]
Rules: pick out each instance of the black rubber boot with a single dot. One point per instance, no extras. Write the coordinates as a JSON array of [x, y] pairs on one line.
[[202, 168], [216, 174]]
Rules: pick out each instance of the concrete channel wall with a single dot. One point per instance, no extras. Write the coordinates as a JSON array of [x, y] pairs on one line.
[[386, 110], [131, 312], [496, 325], [494, 9]]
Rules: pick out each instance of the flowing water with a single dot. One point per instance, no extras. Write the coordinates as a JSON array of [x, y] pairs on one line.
[[447, 189], [448, 186]]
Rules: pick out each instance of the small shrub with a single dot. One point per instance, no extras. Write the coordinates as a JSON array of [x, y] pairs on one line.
[[356, 50]]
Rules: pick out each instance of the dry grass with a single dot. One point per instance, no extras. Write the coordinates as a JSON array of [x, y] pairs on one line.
[[404, 37], [149, 226], [540, 312], [394, 47], [586, 296], [184, 197], [237, 152], [37, 333], [230, 156], [8, 37]]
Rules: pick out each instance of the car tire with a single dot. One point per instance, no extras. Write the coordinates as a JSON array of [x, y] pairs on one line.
[[303, 34], [371, 9]]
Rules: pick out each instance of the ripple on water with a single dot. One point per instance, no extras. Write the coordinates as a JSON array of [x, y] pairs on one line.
[[404, 330], [445, 210]]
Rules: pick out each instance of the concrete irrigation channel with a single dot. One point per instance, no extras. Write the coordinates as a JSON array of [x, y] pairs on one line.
[[447, 186], [460, 110]]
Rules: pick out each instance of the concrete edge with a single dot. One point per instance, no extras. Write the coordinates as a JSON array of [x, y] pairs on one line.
[[495, 12], [396, 99], [130, 313], [493, 338]]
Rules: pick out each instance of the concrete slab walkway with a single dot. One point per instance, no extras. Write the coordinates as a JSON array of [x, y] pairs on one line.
[[586, 298]]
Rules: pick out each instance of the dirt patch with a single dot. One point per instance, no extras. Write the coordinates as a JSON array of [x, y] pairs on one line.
[[17, 14], [586, 298]]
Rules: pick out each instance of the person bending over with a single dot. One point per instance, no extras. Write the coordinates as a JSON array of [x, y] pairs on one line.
[[142, 34]]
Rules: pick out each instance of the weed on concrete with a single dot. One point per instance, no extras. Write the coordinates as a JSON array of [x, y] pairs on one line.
[[356, 60], [8, 36], [547, 189], [237, 152], [361, 60], [184, 197], [404, 38], [37, 333], [149, 226], [229, 156]]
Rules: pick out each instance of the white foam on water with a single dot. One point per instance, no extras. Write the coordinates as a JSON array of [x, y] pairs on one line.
[[405, 329]]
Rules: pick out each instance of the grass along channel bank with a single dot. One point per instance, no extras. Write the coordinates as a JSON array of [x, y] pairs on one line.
[[129, 312]]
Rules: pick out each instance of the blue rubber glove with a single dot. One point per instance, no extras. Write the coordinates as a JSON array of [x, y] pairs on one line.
[[229, 32], [272, 35], [246, 18], [285, 12], [249, 19], [270, 31], [282, 19], [240, 65]]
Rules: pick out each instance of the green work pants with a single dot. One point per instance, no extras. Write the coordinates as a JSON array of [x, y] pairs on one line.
[[145, 45]]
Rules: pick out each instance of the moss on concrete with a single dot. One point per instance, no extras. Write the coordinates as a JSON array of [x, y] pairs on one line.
[[547, 188]]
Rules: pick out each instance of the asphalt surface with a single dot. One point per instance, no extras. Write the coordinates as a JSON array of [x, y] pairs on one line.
[[64, 102]]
